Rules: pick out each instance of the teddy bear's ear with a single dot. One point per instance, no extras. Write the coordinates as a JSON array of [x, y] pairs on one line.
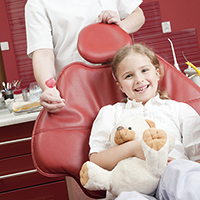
[[150, 123]]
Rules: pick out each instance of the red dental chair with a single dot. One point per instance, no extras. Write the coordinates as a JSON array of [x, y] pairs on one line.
[[60, 141]]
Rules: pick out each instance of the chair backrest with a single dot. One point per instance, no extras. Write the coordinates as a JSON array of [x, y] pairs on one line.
[[60, 141]]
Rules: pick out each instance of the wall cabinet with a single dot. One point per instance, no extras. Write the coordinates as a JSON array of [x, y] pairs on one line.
[[18, 177]]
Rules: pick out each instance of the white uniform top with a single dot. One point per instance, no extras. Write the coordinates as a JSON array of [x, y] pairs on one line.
[[56, 24], [171, 116]]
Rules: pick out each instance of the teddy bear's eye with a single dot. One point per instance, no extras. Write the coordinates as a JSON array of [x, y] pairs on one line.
[[129, 128]]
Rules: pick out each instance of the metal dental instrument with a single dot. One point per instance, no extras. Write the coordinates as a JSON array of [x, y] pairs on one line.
[[174, 56], [191, 65]]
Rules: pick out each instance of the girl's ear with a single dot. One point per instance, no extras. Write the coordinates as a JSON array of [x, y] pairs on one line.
[[158, 73], [120, 87]]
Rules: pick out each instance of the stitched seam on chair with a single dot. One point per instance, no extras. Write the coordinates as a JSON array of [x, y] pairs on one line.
[[81, 64], [64, 128], [194, 100]]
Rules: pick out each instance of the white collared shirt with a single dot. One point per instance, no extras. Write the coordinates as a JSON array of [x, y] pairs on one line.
[[56, 24], [171, 116]]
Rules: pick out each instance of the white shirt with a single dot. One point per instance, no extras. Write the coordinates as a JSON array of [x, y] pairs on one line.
[[56, 24], [171, 116]]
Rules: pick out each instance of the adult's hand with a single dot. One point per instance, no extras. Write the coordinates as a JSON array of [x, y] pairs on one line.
[[50, 100], [132, 23], [109, 16]]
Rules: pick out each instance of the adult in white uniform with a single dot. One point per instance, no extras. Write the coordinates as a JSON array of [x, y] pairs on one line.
[[52, 29]]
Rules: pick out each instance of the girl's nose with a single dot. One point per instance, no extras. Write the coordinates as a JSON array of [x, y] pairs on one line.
[[139, 79]]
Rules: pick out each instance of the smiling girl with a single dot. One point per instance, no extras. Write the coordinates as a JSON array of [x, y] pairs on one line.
[[137, 72]]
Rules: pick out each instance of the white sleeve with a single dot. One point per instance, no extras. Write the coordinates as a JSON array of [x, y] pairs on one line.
[[101, 129], [126, 7], [190, 128], [38, 27]]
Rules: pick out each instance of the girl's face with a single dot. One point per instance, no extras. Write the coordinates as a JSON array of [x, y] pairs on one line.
[[137, 77]]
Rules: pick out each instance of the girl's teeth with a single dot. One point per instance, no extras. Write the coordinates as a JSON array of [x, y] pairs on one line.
[[141, 89]]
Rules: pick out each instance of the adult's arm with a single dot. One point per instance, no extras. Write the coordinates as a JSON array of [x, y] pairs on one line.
[[130, 24], [43, 68]]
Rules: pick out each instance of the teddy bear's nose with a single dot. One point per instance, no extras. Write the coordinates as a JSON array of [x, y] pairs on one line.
[[120, 128], [129, 128]]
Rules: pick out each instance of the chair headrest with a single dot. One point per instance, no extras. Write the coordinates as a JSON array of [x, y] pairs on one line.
[[98, 43]]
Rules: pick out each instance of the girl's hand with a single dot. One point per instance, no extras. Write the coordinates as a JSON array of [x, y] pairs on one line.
[[109, 16], [50, 101]]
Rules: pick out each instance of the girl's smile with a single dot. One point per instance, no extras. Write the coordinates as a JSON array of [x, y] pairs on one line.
[[142, 89], [137, 77]]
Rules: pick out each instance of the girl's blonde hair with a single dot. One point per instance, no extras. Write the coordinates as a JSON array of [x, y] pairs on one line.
[[143, 50]]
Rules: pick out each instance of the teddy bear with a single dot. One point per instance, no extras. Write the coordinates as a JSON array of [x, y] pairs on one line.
[[132, 174]]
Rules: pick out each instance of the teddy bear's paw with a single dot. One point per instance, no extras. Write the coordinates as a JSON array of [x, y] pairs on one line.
[[155, 138], [84, 174], [93, 177], [123, 135]]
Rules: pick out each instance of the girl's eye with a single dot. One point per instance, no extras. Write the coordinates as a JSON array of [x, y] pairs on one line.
[[144, 70], [128, 76]]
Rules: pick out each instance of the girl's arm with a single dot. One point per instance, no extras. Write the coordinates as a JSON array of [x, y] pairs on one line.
[[109, 158]]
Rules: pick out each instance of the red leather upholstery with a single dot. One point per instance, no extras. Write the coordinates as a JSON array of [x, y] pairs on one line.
[[97, 43], [60, 141]]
